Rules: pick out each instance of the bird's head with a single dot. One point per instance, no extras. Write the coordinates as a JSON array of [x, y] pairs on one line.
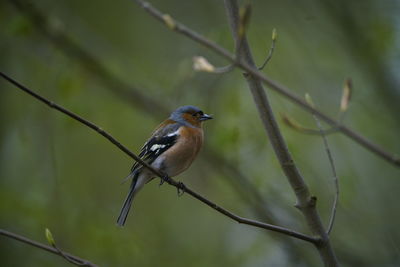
[[190, 114]]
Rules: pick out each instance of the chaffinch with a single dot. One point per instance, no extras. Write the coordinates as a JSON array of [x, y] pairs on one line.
[[172, 147]]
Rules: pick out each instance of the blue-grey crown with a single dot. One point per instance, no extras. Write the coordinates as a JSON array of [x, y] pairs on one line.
[[177, 114]]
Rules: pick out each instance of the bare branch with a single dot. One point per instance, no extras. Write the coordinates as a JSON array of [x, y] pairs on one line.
[[184, 30], [300, 128], [225, 69], [202, 64], [344, 105], [271, 50], [235, 176], [335, 177], [71, 258], [305, 202], [178, 185], [336, 181], [52, 242], [148, 104]]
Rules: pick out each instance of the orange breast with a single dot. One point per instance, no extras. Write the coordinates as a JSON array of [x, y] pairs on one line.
[[179, 157]]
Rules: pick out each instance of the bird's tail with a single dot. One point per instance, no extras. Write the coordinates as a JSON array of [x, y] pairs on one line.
[[129, 198]]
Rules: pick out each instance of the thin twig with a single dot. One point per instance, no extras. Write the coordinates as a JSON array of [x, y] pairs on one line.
[[335, 177], [184, 30], [224, 69], [170, 181], [242, 28], [71, 258], [302, 129], [271, 51], [310, 131]]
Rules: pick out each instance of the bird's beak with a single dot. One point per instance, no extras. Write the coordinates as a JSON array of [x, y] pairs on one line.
[[205, 117]]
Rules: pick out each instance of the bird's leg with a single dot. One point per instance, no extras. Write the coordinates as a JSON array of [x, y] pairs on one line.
[[181, 189], [165, 178]]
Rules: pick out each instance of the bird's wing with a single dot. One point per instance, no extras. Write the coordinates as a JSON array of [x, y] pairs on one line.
[[161, 140]]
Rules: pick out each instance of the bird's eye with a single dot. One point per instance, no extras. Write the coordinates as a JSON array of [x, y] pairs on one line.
[[198, 114]]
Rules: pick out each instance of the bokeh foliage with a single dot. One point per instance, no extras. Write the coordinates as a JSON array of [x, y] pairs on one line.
[[58, 174]]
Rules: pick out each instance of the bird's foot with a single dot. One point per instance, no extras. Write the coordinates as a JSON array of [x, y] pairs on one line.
[[164, 179], [181, 189]]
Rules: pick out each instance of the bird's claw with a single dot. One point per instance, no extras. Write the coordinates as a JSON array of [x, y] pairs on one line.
[[164, 179], [180, 189]]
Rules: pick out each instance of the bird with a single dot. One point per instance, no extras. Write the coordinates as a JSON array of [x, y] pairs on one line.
[[171, 149]]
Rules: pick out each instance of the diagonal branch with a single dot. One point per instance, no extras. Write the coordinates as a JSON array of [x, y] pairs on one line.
[[170, 181], [235, 176], [305, 202], [184, 30], [73, 259]]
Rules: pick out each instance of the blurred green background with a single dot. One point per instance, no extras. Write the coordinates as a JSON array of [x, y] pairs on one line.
[[119, 68]]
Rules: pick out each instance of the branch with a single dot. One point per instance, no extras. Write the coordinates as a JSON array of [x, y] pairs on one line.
[[335, 178], [344, 105], [75, 260], [52, 242], [302, 129], [201, 64], [184, 30], [170, 181], [271, 50], [237, 179], [332, 164], [305, 202]]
